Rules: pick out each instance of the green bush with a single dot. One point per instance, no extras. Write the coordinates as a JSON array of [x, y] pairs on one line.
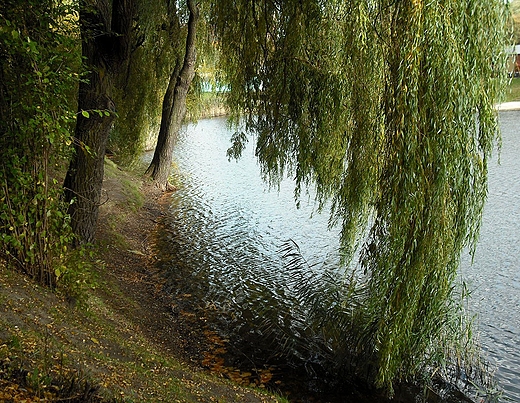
[[39, 60]]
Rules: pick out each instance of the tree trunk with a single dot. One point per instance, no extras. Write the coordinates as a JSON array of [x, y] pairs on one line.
[[105, 30], [174, 106]]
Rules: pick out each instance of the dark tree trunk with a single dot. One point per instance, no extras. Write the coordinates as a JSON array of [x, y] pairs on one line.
[[174, 106], [106, 32]]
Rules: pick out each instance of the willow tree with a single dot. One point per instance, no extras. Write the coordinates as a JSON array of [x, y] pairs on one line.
[[139, 88], [174, 103], [106, 44], [515, 11], [387, 108]]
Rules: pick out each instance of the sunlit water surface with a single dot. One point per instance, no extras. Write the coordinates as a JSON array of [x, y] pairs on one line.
[[226, 228]]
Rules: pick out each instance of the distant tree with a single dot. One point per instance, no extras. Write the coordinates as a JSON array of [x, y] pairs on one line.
[[387, 108], [106, 32], [174, 103]]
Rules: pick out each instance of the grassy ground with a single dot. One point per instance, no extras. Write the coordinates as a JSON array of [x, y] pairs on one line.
[[120, 342], [513, 90]]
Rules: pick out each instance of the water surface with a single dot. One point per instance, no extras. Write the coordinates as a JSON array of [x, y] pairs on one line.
[[226, 227], [494, 276]]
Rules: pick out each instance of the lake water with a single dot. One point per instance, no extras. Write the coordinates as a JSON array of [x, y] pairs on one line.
[[226, 227], [494, 276]]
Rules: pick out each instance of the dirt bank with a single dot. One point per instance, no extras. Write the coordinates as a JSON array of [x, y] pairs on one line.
[[123, 341]]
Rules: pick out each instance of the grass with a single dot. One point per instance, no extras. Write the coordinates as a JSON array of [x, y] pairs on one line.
[[513, 90], [54, 349], [135, 198]]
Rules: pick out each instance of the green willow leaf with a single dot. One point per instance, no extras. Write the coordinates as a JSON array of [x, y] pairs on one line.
[[387, 108]]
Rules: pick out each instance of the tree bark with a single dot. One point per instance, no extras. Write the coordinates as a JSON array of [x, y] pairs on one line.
[[106, 32], [174, 106]]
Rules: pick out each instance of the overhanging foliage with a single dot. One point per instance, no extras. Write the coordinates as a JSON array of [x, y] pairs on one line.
[[388, 109]]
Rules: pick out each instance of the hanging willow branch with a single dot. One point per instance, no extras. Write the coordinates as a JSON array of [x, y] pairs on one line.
[[387, 109]]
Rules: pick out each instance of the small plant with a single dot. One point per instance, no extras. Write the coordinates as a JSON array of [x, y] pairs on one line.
[[76, 275]]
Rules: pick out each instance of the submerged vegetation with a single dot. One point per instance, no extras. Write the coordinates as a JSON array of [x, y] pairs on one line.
[[303, 323]]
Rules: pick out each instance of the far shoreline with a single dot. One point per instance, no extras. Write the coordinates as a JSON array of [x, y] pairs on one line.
[[509, 106]]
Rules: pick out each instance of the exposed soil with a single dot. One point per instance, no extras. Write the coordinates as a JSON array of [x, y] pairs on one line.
[[132, 266]]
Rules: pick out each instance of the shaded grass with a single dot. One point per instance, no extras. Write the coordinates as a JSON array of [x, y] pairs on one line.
[[103, 351], [98, 351]]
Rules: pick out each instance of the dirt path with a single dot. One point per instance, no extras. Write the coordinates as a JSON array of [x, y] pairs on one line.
[[126, 343]]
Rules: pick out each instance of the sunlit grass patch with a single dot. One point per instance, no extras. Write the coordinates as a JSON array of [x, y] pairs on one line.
[[513, 90]]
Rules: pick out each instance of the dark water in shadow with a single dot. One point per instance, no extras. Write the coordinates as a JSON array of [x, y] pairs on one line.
[[226, 227]]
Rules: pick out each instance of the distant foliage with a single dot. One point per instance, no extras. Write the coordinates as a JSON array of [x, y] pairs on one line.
[[39, 60], [158, 45], [387, 108]]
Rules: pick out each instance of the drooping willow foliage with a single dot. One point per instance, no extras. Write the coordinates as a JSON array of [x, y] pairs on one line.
[[387, 108], [515, 11], [140, 87], [159, 41]]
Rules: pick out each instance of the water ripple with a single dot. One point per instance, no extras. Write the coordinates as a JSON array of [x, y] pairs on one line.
[[227, 227], [495, 272]]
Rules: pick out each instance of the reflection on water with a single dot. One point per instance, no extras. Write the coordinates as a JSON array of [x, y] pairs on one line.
[[225, 229]]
